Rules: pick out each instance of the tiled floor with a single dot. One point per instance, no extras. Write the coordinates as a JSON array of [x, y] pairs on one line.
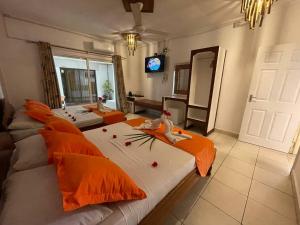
[[250, 185]]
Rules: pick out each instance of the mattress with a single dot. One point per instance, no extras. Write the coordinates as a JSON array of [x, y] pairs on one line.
[[83, 118], [136, 161]]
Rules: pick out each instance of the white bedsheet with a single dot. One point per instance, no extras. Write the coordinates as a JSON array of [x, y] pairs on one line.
[[83, 119], [173, 166]]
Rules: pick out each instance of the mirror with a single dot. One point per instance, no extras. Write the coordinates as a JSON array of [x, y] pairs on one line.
[[181, 79], [201, 78]]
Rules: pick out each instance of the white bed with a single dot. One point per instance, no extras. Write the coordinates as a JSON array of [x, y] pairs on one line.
[[23, 126], [173, 166], [83, 118]]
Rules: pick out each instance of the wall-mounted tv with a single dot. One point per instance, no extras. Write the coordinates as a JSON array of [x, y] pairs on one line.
[[155, 64]]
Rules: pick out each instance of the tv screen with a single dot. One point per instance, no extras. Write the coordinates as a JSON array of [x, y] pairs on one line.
[[155, 64]]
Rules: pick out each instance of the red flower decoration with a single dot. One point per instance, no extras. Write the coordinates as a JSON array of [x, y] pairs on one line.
[[165, 112], [180, 132], [104, 130], [127, 143], [114, 136], [154, 164]]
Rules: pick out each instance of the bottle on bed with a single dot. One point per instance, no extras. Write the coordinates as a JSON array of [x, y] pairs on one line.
[[100, 106]]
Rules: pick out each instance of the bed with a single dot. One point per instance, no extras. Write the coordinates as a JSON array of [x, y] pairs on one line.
[[23, 126], [174, 166], [175, 171]]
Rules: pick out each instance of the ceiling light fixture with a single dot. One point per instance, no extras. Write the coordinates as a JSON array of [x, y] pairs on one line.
[[131, 40], [255, 11]]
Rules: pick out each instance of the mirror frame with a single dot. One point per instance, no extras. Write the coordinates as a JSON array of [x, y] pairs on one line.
[[214, 50]]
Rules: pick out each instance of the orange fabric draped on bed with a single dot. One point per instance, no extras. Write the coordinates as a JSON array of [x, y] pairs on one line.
[[200, 147], [108, 117]]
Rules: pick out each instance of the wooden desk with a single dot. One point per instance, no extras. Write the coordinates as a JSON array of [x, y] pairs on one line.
[[149, 104]]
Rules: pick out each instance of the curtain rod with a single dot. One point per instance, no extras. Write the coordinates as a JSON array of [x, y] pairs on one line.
[[78, 50]]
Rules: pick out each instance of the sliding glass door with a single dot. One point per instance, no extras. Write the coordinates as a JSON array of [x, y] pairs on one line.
[[76, 85], [82, 81], [105, 82]]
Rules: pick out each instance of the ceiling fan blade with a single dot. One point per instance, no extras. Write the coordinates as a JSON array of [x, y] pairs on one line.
[[123, 32], [157, 32], [136, 11]]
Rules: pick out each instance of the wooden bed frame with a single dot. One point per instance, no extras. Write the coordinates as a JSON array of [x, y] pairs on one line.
[[163, 209]]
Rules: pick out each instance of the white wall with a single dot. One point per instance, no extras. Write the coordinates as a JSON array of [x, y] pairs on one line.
[[136, 80], [20, 62], [280, 26]]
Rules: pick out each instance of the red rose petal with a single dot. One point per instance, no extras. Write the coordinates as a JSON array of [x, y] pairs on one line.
[[154, 164], [127, 143]]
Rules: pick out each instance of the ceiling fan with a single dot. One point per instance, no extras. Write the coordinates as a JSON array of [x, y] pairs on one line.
[[138, 32]]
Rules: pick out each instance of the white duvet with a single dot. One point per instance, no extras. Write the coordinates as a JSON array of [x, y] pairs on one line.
[[83, 118], [173, 166]]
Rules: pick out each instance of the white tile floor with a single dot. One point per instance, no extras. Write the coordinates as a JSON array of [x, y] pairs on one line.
[[250, 185]]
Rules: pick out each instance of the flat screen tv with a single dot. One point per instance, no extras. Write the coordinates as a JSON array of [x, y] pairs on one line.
[[155, 64]]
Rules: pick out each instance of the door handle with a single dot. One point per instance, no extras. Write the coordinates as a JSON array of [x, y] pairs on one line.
[[252, 98]]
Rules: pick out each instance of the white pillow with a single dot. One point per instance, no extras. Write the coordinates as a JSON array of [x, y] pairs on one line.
[[30, 153], [32, 197], [18, 135], [21, 121]]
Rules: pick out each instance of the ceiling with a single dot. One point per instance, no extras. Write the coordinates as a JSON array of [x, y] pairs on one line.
[[102, 17]]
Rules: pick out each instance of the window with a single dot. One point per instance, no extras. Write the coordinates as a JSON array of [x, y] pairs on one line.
[[75, 83], [82, 81]]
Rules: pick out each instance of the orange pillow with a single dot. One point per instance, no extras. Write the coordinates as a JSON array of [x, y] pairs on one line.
[[32, 103], [85, 180], [35, 107], [59, 124], [68, 143], [40, 114]]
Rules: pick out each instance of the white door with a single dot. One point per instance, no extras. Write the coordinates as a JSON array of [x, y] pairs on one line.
[[272, 113]]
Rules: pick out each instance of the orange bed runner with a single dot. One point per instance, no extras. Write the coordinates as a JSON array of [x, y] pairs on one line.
[[108, 117], [200, 147]]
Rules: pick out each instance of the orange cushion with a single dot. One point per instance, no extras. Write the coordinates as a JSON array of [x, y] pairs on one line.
[[69, 143], [40, 114], [32, 103], [85, 180], [59, 124], [34, 107]]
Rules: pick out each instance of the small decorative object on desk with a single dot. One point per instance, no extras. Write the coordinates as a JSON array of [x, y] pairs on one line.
[[100, 106], [63, 103]]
